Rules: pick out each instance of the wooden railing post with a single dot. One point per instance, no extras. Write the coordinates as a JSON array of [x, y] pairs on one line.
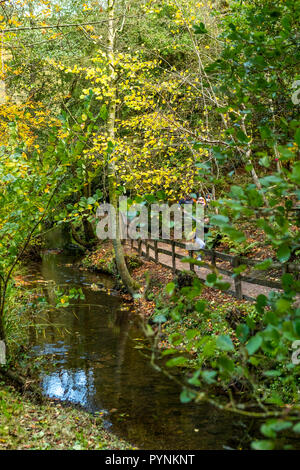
[[192, 266], [155, 251], [213, 258], [285, 268], [147, 249], [237, 279], [173, 257]]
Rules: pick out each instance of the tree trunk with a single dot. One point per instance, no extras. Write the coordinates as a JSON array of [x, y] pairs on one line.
[[253, 172], [2, 332], [89, 233], [2, 80], [130, 284], [2, 329]]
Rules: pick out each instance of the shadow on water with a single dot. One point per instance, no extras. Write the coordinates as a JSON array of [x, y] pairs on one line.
[[98, 366]]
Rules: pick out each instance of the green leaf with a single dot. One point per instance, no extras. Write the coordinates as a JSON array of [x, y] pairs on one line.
[[194, 380], [296, 173], [285, 152], [224, 343], [254, 344], [255, 198], [219, 220], [190, 334], [200, 306], [261, 302], [211, 278], [268, 431], [223, 286], [160, 319], [280, 425], [296, 428], [170, 288], [283, 253], [265, 161], [266, 264], [176, 361], [287, 281], [200, 29], [283, 305], [103, 112], [242, 137], [235, 235], [242, 332], [187, 396], [297, 137], [225, 363], [262, 445], [272, 373], [237, 192], [209, 376]]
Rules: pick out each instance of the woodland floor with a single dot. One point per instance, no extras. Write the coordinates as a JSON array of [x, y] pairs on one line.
[[25, 424]]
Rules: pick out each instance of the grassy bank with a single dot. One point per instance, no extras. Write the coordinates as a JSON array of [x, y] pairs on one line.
[[50, 426]]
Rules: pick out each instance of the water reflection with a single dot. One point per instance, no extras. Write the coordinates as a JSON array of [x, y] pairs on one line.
[[73, 386]]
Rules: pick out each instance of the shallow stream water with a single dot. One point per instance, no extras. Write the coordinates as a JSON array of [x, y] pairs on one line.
[[93, 359]]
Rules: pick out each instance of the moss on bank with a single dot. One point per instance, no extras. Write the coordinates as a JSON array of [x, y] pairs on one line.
[[26, 425]]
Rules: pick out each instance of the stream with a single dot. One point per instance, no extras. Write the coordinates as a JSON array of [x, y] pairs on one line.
[[96, 362]]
